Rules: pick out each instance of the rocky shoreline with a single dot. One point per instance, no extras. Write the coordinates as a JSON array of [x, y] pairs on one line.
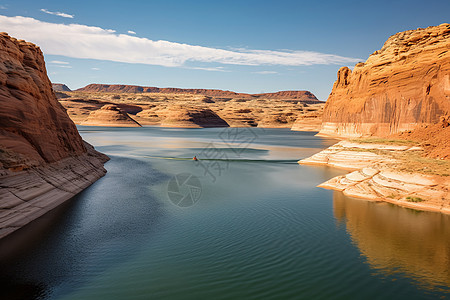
[[374, 178], [26, 195]]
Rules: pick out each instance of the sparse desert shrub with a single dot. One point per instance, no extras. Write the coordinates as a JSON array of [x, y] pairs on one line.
[[414, 199]]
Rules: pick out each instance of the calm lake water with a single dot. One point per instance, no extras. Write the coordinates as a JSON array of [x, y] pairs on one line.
[[244, 222]]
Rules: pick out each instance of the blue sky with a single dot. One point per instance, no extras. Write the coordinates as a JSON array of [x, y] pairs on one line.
[[245, 46]]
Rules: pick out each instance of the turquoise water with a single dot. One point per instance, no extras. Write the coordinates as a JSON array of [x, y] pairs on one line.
[[252, 225]]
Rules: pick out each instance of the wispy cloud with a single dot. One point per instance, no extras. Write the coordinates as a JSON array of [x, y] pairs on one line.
[[95, 69], [3, 7], [218, 69], [266, 72], [63, 66], [59, 62], [57, 13], [131, 32], [81, 41]]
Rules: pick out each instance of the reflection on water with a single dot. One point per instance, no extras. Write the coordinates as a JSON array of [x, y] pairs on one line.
[[261, 230], [399, 240]]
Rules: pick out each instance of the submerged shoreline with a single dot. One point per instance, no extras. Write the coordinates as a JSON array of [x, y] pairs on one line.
[[373, 176]]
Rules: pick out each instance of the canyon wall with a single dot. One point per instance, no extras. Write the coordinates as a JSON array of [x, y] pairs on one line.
[[33, 124], [43, 159], [404, 84]]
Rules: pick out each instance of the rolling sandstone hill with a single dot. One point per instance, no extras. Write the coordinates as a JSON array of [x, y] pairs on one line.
[[404, 84], [195, 108], [43, 160]]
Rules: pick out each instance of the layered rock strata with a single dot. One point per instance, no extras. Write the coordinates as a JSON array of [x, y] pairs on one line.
[[43, 160], [404, 84], [120, 88], [373, 178], [110, 115]]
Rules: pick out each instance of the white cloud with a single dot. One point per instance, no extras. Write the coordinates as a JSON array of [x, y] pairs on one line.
[[266, 72], [95, 69], [220, 69], [131, 32], [57, 13], [81, 41], [59, 62], [3, 7]]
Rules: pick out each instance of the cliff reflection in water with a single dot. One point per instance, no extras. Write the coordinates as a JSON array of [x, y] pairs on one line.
[[399, 240]]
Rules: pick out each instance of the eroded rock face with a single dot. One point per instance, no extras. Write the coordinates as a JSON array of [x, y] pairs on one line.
[[377, 175], [178, 116], [154, 108], [405, 83], [110, 115], [43, 160], [34, 127]]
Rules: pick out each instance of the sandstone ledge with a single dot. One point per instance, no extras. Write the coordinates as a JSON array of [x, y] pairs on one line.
[[29, 194], [373, 179]]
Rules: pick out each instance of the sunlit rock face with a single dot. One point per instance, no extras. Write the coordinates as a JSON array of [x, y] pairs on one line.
[[405, 83], [34, 127], [43, 159]]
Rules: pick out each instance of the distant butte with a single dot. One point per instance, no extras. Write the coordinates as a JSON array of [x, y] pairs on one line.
[[304, 96], [60, 87]]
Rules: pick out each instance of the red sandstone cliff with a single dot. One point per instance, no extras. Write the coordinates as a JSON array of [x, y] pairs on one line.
[[43, 160], [405, 83], [118, 88], [32, 122]]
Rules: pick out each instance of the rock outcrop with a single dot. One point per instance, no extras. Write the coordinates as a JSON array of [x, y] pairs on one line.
[[374, 176], [178, 116], [405, 83], [435, 139], [60, 87], [120, 88], [310, 120], [110, 115], [43, 160], [32, 122], [29, 194]]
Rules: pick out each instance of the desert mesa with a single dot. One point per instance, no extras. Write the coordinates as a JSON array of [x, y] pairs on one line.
[[191, 108]]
